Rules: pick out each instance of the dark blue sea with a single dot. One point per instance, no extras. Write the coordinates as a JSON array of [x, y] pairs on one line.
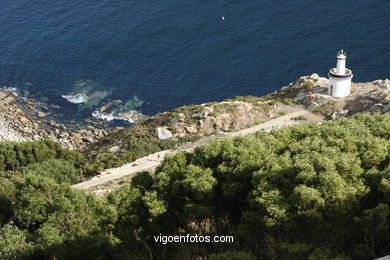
[[157, 55]]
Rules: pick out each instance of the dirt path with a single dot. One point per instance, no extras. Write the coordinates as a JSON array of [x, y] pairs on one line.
[[151, 161]]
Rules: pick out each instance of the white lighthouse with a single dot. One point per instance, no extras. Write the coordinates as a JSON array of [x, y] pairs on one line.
[[340, 77]]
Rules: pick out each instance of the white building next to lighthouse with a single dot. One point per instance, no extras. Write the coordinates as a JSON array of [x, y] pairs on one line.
[[340, 77]]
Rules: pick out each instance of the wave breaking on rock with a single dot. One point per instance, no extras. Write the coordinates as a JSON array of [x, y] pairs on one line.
[[131, 116], [76, 98]]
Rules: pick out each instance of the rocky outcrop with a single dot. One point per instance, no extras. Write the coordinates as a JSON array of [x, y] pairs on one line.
[[214, 118], [372, 97], [16, 124], [384, 84]]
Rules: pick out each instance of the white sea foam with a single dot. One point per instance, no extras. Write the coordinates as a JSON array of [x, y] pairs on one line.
[[76, 98], [106, 116], [131, 116], [10, 89]]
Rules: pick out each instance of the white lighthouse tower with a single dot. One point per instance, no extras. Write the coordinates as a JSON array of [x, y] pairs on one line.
[[340, 77]]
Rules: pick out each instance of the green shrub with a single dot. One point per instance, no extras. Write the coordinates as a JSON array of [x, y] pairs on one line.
[[290, 101], [282, 113], [299, 118]]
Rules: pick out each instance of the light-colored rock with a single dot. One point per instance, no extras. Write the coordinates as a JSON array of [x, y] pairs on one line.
[[314, 76], [223, 122], [191, 129], [41, 114], [181, 134], [163, 133], [77, 139], [104, 108], [24, 120], [133, 116], [181, 117], [204, 113]]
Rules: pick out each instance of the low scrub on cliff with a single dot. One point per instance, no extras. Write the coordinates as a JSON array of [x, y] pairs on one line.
[[124, 146]]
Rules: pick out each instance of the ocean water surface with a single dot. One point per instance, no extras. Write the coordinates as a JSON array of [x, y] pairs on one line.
[[157, 55]]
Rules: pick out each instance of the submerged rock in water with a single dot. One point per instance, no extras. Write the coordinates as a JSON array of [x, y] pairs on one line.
[[41, 114]]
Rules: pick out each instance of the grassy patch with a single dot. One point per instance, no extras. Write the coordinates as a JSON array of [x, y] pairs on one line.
[[256, 122], [299, 118], [290, 101], [326, 109]]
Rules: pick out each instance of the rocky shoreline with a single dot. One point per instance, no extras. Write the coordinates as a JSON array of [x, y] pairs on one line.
[[23, 120]]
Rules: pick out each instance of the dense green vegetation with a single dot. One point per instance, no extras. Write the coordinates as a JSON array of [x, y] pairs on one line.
[[14, 155], [303, 192]]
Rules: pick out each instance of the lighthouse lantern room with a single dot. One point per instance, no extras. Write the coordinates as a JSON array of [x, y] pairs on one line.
[[340, 77]]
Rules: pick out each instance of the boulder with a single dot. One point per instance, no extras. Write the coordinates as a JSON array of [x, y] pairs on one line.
[[89, 121], [104, 108], [24, 120], [191, 129], [114, 149], [314, 76], [7, 98], [163, 133], [41, 114], [132, 116], [29, 102], [181, 117], [77, 139], [206, 112]]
